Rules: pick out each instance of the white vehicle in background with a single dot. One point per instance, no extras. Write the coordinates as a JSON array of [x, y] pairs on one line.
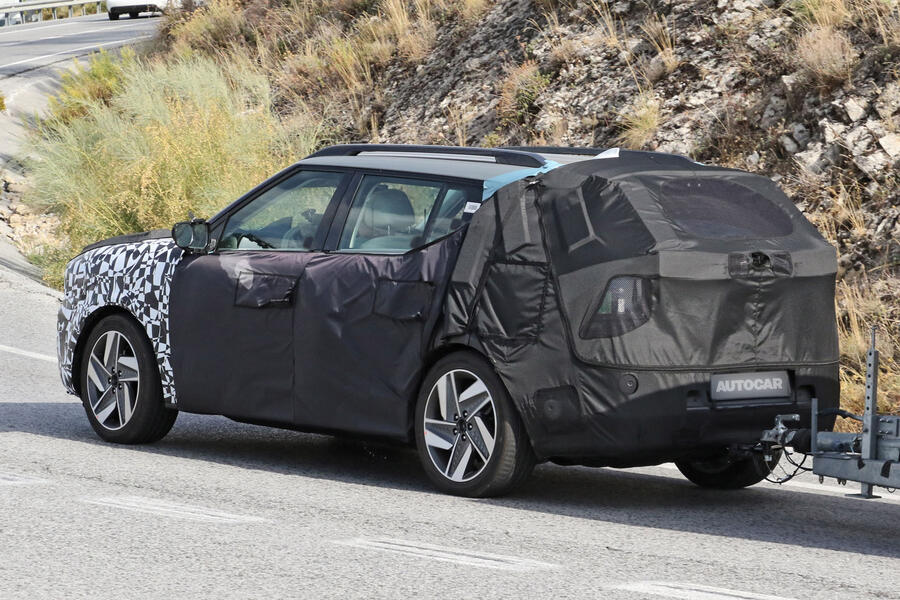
[[115, 8]]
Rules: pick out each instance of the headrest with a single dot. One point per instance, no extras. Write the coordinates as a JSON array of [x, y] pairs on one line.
[[389, 209]]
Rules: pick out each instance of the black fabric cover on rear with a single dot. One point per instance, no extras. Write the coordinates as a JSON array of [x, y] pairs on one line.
[[735, 280]]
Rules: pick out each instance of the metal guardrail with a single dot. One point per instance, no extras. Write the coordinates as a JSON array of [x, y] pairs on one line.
[[35, 9]]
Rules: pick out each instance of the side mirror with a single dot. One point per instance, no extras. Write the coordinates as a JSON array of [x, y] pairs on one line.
[[191, 235]]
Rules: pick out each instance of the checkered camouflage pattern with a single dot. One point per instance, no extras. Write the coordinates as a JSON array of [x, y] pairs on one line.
[[134, 276]]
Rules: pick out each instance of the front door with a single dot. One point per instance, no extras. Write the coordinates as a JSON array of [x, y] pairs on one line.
[[232, 312]]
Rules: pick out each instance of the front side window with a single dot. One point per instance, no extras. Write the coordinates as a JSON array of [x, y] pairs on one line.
[[285, 217], [391, 215]]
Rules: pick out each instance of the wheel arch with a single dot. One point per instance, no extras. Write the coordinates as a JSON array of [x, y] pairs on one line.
[[90, 323]]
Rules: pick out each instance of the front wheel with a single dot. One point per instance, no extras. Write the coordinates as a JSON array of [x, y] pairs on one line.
[[470, 438], [726, 472], [113, 16], [120, 386]]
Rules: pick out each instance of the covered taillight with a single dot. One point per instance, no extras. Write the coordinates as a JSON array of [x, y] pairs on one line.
[[624, 305]]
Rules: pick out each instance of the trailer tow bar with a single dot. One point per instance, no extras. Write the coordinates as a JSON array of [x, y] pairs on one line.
[[871, 458]]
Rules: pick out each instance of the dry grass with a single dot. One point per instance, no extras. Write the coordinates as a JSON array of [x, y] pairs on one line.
[[609, 27], [825, 13], [860, 307], [658, 33], [826, 56], [879, 18], [2, 103], [640, 123], [519, 91]]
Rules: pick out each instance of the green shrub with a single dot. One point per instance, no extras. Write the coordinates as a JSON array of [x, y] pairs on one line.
[[181, 136], [86, 85]]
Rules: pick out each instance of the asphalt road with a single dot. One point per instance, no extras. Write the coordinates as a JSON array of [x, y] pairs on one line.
[[32, 55], [223, 510]]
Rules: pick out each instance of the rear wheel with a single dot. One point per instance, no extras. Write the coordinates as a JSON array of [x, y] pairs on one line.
[[470, 438], [133, 15], [726, 472], [120, 386]]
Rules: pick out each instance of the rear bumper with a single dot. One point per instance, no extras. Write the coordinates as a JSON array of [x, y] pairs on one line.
[[669, 416]]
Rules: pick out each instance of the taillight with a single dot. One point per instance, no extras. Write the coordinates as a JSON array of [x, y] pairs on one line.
[[624, 305]]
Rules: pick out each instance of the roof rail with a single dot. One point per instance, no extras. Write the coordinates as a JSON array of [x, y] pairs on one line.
[[504, 156], [557, 150]]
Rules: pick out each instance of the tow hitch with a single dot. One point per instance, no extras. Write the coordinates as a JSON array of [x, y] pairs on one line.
[[871, 458]]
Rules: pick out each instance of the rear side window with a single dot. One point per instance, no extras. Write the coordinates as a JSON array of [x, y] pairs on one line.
[[721, 210], [392, 215]]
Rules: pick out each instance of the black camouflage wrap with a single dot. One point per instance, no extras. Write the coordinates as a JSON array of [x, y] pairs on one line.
[[540, 253]]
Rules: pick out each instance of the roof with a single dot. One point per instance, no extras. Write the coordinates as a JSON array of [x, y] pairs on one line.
[[439, 165]]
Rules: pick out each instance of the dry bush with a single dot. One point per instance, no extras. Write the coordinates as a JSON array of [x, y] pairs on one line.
[[178, 136], [215, 26], [826, 56], [657, 30], [470, 10], [641, 121], [2, 102], [85, 85], [519, 91]]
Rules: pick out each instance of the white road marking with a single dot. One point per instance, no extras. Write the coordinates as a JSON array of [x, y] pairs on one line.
[[155, 506], [72, 21], [7, 478], [47, 39], [442, 553], [71, 50], [850, 488], [692, 591], [36, 355]]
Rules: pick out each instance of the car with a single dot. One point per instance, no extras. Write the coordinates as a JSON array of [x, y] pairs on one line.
[[495, 308], [116, 8]]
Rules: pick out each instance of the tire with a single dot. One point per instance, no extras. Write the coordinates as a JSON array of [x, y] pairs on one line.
[[458, 456], [124, 407], [133, 15], [724, 472], [113, 16]]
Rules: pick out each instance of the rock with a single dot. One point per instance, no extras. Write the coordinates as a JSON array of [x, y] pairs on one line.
[[833, 131], [891, 144], [859, 140], [791, 84], [888, 102], [656, 69], [800, 134], [774, 111], [856, 108], [788, 143], [873, 164]]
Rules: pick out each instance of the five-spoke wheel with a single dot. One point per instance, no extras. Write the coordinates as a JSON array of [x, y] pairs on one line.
[[470, 438], [120, 385], [113, 380]]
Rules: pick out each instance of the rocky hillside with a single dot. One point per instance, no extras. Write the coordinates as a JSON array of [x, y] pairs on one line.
[[804, 91]]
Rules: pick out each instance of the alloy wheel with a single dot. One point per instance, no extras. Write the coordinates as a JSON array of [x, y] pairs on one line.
[[113, 380], [460, 425]]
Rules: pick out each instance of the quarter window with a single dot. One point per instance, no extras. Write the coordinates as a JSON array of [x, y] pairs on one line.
[[285, 217], [391, 215]]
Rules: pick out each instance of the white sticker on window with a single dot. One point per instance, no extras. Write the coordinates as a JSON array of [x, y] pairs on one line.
[[611, 153], [471, 207]]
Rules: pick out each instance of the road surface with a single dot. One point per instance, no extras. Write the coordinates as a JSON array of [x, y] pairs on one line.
[[31, 56], [223, 510]]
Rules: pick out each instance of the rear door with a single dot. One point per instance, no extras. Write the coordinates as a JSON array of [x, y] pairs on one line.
[[233, 311], [367, 308]]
